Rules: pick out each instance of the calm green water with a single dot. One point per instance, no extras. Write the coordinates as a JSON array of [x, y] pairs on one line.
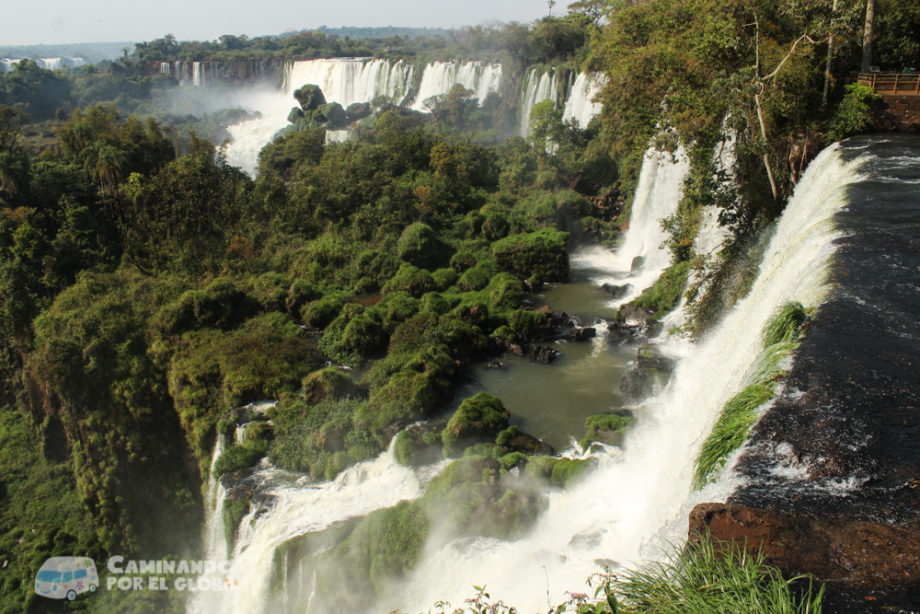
[[552, 401]]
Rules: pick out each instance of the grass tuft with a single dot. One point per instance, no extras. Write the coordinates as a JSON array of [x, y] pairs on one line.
[[705, 579], [780, 339], [731, 430], [786, 324]]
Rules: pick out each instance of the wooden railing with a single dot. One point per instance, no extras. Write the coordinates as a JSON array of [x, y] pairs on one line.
[[891, 83]]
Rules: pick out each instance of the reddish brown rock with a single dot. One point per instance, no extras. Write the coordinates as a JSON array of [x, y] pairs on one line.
[[857, 556]]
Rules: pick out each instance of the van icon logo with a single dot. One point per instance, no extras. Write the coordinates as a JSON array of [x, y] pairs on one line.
[[65, 577]]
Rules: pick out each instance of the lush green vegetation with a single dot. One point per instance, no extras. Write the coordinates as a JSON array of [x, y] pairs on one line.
[[707, 577], [147, 287]]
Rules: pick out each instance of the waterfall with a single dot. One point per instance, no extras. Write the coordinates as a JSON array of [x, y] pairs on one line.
[[295, 505], [342, 80], [59, 63], [642, 256], [538, 86], [198, 79], [579, 104], [439, 77], [350, 80], [638, 499], [215, 539]]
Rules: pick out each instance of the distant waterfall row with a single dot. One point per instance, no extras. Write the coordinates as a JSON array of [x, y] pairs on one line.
[[9, 64], [347, 81]]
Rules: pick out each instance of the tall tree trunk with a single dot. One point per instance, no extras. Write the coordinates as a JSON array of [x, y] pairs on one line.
[[830, 59], [869, 35]]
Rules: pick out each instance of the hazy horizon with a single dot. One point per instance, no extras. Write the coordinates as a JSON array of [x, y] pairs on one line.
[[95, 21]]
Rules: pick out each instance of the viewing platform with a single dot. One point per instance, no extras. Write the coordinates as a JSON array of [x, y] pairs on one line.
[[892, 83]]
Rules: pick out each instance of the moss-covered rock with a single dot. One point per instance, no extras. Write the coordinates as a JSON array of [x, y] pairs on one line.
[[607, 428], [560, 472], [419, 245], [512, 439], [326, 384], [418, 444], [411, 279], [479, 418], [664, 295]]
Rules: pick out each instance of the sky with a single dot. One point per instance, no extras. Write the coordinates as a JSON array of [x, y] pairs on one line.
[[26, 22]]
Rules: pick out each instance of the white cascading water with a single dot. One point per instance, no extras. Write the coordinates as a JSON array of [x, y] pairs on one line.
[[198, 79], [658, 192], [215, 536], [301, 506], [439, 77], [538, 86], [8, 64], [637, 501], [350, 80], [342, 80], [579, 104]]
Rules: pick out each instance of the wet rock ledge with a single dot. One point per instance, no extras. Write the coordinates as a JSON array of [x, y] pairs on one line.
[[832, 471]]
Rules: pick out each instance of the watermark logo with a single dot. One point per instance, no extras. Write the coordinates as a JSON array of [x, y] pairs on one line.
[[164, 575], [65, 577]]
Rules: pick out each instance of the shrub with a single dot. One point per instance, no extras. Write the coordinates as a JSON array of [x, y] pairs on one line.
[[854, 113], [664, 295], [411, 279], [537, 256], [435, 303], [444, 278], [525, 322], [327, 384], [319, 313], [271, 290], [505, 292], [237, 457], [418, 245], [477, 277]]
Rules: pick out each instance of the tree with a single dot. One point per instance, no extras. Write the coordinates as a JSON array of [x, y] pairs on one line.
[[869, 36]]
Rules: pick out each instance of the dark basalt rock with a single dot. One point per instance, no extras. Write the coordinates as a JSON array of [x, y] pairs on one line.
[[616, 291], [581, 334], [650, 357], [524, 442], [543, 354], [637, 384]]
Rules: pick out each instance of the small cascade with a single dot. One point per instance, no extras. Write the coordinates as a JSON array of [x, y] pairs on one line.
[[214, 525], [166, 69], [580, 105], [439, 77], [637, 501], [198, 79], [643, 255], [538, 86], [292, 505]]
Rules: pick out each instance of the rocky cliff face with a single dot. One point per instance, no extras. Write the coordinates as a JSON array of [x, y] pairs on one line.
[[832, 471]]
